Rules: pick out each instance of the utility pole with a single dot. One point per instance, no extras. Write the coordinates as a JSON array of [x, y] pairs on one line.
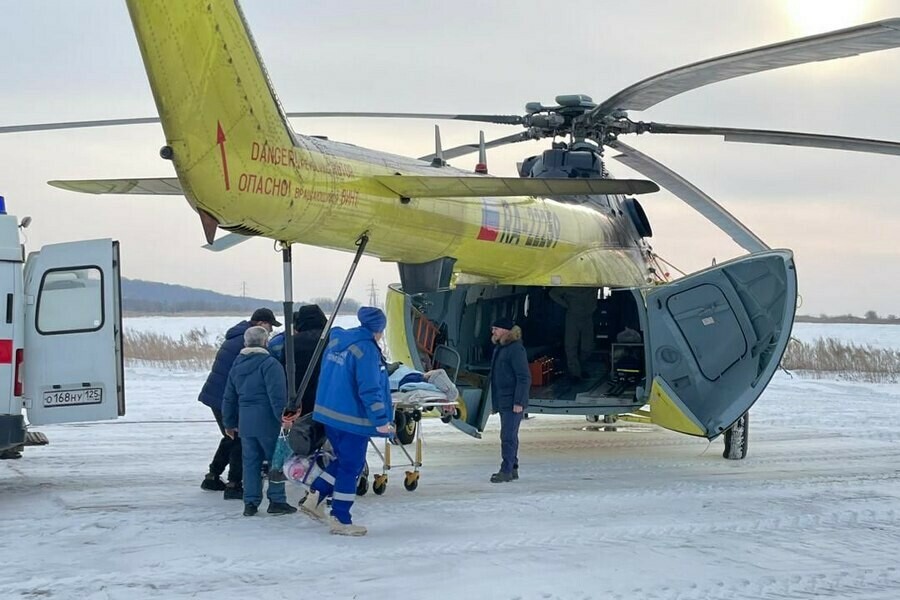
[[373, 294], [243, 289]]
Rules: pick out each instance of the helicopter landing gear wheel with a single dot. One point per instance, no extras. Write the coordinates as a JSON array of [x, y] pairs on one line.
[[411, 481], [362, 484], [737, 439], [379, 484]]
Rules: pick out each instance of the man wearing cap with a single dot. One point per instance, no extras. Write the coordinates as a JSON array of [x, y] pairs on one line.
[[228, 453], [510, 382], [353, 402]]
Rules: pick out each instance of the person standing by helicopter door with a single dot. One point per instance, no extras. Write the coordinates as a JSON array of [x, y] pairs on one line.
[[580, 304], [510, 382]]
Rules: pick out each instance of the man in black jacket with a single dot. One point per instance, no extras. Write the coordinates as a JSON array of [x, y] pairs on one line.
[[510, 382], [228, 454], [309, 321]]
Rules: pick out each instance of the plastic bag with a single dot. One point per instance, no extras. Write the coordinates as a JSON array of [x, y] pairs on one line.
[[282, 451]]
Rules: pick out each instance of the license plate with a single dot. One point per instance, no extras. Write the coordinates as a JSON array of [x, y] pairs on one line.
[[73, 397]]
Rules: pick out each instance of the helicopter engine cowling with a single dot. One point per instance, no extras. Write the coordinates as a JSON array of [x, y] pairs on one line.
[[561, 162]]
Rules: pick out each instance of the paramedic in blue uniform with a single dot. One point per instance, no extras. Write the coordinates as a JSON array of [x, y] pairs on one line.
[[510, 382], [353, 402], [255, 395]]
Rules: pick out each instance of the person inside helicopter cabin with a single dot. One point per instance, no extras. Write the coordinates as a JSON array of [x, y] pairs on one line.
[[228, 454], [255, 396], [510, 383], [580, 304]]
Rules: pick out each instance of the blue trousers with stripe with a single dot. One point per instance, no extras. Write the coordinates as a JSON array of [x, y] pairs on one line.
[[340, 478]]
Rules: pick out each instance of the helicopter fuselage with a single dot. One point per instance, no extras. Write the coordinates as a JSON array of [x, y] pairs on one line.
[[309, 192]]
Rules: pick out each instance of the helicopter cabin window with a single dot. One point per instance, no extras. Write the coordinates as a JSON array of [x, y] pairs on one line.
[[70, 301]]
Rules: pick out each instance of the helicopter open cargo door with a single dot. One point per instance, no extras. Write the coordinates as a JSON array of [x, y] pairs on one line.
[[715, 339], [73, 333]]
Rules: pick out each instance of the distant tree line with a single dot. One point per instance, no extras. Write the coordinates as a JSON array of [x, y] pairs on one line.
[[870, 317], [149, 297]]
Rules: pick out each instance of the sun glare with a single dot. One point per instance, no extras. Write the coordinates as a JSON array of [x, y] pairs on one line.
[[817, 16]]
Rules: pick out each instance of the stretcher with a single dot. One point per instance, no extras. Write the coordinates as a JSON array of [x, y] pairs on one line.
[[409, 407]]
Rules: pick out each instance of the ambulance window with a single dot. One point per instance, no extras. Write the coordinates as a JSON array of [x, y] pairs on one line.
[[70, 300]]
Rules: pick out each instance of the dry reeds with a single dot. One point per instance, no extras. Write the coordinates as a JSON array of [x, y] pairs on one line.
[[190, 351], [829, 357]]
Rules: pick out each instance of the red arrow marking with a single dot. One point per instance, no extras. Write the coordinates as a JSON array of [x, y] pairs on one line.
[[220, 140]]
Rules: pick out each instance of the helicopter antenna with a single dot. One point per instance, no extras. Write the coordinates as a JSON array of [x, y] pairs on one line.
[[438, 160], [481, 167]]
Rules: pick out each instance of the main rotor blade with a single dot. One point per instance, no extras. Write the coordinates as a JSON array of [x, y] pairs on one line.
[[470, 148], [77, 124], [498, 119], [691, 195], [870, 37], [783, 138]]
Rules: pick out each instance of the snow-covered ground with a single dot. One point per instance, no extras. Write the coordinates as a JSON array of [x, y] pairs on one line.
[[114, 510]]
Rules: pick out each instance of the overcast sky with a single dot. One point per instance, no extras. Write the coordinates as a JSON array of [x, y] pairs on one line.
[[838, 211]]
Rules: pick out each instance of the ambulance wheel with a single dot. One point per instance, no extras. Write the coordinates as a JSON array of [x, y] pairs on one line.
[[379, 484], [411, 481], [737, 439]]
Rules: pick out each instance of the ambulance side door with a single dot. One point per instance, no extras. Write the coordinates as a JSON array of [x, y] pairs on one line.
[[73, 362]]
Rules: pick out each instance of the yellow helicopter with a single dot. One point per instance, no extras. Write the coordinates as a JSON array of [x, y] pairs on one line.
[[472, 247]]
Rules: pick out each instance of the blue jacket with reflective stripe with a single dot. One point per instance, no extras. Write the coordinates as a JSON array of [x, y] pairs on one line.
[[353, 394]]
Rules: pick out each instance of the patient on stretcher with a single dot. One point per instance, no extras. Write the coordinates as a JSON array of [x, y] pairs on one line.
[[414, 389]]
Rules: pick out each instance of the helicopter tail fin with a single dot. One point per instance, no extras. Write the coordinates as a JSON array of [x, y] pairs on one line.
[[211, 90]]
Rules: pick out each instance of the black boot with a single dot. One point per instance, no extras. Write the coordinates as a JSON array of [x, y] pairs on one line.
[[250, 509], [280, 508], [501, 477], [234, 491], [515, 473], [212, 483]]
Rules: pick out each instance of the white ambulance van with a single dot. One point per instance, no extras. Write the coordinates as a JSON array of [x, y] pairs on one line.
[[60, 335]]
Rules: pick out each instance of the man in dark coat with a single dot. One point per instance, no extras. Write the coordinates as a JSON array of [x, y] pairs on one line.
[[254, 401], [309, 321], [228, 453], [510, 382]]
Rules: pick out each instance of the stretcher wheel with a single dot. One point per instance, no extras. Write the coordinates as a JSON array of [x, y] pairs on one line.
[[362, 485], [411, 481], [405, 427], [379, 484], [417, 415]]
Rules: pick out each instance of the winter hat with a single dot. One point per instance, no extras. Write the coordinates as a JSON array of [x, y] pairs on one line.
[[503, 323], [372, 318], [309, 316]]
